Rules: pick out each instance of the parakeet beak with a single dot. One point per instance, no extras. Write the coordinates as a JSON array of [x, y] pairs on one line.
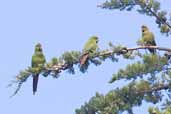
[[144, 28], [40, 49], [97, 41]]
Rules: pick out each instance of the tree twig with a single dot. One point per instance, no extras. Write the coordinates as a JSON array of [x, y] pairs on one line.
[[64, 66], [158, 18], [137, 2], [160, 87]]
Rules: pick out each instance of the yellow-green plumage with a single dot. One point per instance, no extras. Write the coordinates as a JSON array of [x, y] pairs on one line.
[[91, 45], [148, 38], [37, 63], [89, 49]]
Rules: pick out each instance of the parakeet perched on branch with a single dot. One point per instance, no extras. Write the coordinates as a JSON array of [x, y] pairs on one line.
[[37, 63], [148, 38], [89, 49]]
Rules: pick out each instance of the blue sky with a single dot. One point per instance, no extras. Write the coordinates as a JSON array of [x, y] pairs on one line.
[[62, 26]]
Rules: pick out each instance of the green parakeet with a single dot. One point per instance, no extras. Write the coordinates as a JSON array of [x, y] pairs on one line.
[[89, 49], [37, 63], [148, 38]]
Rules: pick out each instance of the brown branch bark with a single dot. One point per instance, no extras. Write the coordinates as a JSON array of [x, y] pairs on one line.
[[150, 47], [64, 66]]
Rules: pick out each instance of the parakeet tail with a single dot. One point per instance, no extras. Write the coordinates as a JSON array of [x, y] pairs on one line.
[[153, 43], [83, 59], [35, 83]]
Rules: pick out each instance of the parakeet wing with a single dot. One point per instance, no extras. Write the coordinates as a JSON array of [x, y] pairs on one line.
[[90, 46], [37, 60], [148, 39], [34, 61], [152, 39], [89, 49]]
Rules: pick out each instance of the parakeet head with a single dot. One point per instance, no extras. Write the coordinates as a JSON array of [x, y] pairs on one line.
[[38, 47], [144, 28], [38, 50], [95, 38]]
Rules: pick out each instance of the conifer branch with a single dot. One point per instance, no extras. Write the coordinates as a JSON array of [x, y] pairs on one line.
[[123, 99], [148, 9], [150, 47], [64, 66], [59, 67], [145, 8], [153, 89], [158, 18]]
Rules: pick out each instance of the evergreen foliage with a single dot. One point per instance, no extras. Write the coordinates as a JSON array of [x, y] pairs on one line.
[[149, 77]]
